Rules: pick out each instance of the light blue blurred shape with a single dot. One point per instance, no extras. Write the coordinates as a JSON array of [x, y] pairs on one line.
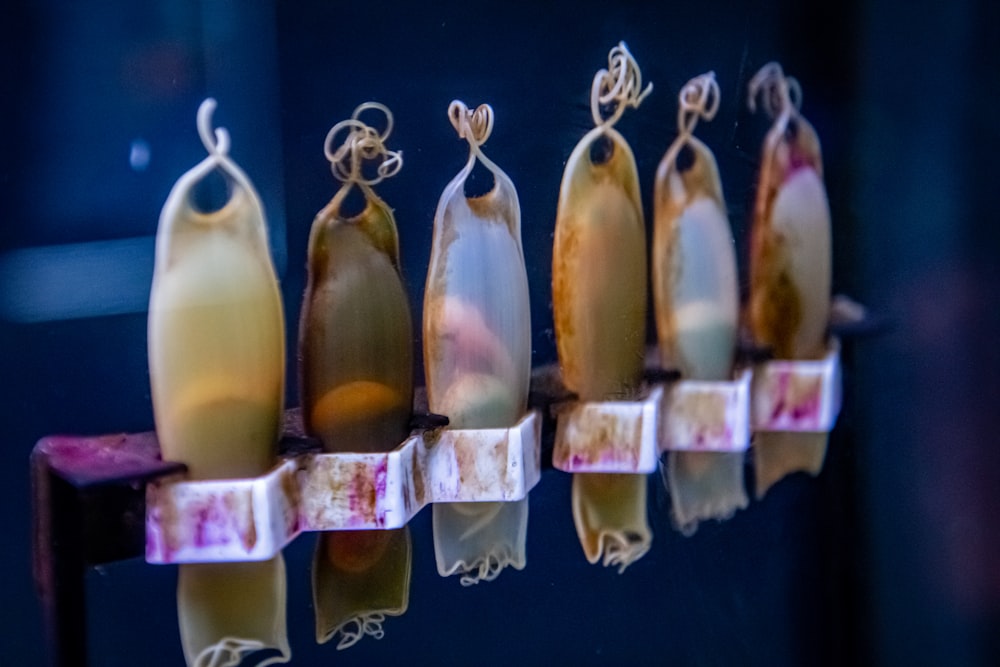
[[76, 280]]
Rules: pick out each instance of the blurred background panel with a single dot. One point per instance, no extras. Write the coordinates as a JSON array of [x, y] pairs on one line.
[[889, 557]]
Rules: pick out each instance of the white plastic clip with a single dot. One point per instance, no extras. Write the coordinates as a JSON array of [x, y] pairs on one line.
[[609, 436], [253, 519], [798, 395], [708, 416]]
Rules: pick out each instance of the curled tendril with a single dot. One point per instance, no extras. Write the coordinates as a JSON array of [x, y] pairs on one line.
[[217, 142], [620, 84], [473, 126], [362, 144], [699, 98], [779, 93]]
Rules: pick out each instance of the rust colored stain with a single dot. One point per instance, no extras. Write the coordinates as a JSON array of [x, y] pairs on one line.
[[668, 275], [241, 507], [360, 483], [701, 407], [563, 264], [322, 487], [418, 478], [162, 519], [608, 438], [290, 488], [705, 411], [471, 456], [338, 488], [775, 303]]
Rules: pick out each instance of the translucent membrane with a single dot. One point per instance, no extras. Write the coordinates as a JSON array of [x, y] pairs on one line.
[[216, 362], [356, 374], [216, 343], [697, 301], [599, 305], [355, 333], [790, 263], [477, 347]]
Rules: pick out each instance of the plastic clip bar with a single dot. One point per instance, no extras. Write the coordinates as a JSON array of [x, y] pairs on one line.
[[252, 519]]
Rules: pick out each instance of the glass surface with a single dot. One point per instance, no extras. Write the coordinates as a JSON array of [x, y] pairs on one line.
[[888, 557]]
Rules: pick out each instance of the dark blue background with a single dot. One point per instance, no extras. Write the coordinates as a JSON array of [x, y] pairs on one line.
[[889, 557]]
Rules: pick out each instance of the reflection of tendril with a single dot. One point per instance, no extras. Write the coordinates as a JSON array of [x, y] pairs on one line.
[[217, 143], [362, 144], [353, 630], [779, 94], [489, 569], [620, 553], [699, 98], [473, 126], [619, 85], [230, 651]]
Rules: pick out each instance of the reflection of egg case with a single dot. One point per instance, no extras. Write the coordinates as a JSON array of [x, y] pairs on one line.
[[369, 579], [355, 551], [697, 464]]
